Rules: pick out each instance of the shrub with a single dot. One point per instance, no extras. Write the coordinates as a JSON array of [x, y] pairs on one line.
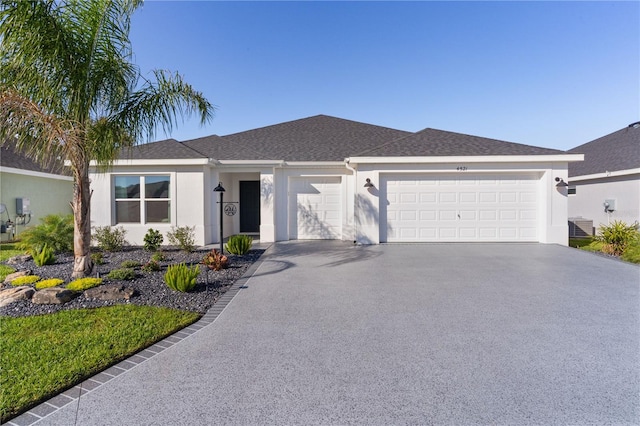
[[215, 260], [183, 237], [122, 274], [239, 244], [56, 231], [616, 236], [152, 240], [109, 238], [130, 264], [97, 258], [6, 270], [158, 256], [44, 256], [82, 284], [632, 251], [53, 282], [25, 280], [151, 266], [181, 278]]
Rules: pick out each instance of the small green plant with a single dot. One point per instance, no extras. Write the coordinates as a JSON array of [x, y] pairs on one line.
[[239, 244], [152, 240], [82, 284], [215, 260], [53, 282], [43, 256], [130, 264], [122, 274], [6, 270], [158, 256], [632, 251], [181, 277], [151, 266], [25, 280], [109, 238], [97, 258], [183, 237], [54, 230], [616, 236]]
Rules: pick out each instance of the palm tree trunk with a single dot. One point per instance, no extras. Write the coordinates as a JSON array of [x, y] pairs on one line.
[[81, 205]]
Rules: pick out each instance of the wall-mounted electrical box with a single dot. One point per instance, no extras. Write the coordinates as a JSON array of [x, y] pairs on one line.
[[23, 206], [609, 205]]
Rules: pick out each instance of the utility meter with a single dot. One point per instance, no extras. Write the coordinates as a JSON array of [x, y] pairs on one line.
[[609, 205], [23, 206]]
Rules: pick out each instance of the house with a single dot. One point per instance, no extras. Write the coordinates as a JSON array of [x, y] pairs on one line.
[[324, 177], [29, 191], [606, 185]]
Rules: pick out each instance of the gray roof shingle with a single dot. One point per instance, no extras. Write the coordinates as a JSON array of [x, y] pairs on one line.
[[166, 149], [619, 150], [436, 143], [317, 138], [9, 157], [325, 138]]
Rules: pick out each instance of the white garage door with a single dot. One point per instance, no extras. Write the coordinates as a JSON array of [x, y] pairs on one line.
[[460, 208], [315, 208]]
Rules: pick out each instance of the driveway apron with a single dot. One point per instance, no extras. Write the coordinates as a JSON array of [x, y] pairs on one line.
[[330, 333]]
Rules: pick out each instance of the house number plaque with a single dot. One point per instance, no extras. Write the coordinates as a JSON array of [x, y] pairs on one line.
[[230, 209]]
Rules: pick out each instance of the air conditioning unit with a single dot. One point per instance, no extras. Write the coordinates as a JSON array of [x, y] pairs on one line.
[[580, 227]]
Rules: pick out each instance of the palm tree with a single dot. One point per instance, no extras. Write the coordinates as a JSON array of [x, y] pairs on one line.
[[69, 91]]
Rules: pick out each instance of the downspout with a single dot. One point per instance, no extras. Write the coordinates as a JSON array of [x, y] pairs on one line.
[[355, 221]]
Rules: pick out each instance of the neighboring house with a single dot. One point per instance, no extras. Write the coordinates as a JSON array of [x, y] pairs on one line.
[[610, 173], [328, 178], [38, 191]]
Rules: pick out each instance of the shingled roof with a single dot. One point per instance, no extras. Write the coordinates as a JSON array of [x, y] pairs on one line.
[[437, 143], [325, 138], [166, 149], [10, 157], [616, 151], [317, 138]]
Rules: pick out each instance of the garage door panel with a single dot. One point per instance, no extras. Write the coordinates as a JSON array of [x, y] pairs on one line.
[[315, 209], [470, 208]]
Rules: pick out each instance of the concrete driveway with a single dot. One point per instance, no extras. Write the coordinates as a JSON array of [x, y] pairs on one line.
[[448, 334]]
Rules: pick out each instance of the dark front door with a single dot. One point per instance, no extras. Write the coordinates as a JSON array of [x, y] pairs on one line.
[[249, 206]]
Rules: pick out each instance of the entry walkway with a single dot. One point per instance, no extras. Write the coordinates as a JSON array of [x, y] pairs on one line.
[[330, 333]]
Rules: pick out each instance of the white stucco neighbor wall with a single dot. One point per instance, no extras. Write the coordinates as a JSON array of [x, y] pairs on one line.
[[588, 202], [47, 193]]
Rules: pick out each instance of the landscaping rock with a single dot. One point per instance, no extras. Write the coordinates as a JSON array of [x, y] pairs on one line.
[[14, 294], [15, 275], [52, 296], [19, 259], [110, 292]]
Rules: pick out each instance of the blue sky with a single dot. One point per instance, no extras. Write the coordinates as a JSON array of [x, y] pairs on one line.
[[551, 74]]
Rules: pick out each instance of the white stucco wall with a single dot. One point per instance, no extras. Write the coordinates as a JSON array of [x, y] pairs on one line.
[[47, 193], [189, 202], [591, 194]]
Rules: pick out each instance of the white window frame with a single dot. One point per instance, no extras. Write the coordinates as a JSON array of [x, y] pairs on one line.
[[142, 199]]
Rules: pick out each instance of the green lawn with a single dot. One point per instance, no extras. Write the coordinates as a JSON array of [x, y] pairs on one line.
[[8, 250], [41, 356]]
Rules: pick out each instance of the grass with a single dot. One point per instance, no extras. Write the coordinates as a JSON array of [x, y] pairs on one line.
[[580, 242], [44, 355], [8, 250]]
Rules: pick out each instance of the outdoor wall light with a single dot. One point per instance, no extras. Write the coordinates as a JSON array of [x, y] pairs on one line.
[[561, 183], [220, 190], [369, 184]]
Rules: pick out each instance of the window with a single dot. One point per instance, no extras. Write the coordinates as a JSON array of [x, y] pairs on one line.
[[139, 197]]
